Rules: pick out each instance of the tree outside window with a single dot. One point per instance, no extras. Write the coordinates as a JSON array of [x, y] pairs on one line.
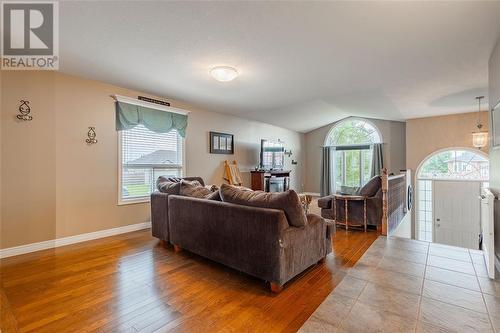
[[352, 139]]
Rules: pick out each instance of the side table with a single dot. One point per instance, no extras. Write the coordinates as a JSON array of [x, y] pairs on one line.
[[346, 199]]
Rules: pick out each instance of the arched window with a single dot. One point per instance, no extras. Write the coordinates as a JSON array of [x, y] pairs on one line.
[[455, 164], [450, 164], [353, 131], [353, 140]]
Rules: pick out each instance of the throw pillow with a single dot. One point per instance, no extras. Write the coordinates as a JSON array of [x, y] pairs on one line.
[[212, 188], [195, 190], [165, 186], [287, 201], [174, 179], [214, 196], [178, 180], [191, 182]]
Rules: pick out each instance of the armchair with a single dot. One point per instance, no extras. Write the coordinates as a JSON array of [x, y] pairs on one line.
[[364, 208]]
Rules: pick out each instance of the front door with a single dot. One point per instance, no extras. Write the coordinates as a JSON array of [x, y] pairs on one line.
[[457, 213]]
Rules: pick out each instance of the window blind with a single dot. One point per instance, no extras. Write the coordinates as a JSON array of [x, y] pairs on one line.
[[146, 155]]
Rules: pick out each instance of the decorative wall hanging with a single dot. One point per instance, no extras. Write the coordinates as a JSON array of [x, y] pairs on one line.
[[221, 143], [91, 136], [152, 100], [25, 110]]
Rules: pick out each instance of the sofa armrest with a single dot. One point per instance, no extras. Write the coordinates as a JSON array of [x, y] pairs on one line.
[[159, 215], [326, 202], [304, 246]]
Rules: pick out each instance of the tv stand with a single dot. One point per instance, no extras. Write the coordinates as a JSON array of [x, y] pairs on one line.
[[270, 180]]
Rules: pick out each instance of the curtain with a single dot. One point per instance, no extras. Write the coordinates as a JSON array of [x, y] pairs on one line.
[[377, 160], [327, 171], [128, 116]]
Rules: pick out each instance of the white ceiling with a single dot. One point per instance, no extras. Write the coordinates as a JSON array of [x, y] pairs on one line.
[[303, 64]]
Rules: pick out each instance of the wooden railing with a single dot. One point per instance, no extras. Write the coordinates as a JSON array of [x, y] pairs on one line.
[[394, 205]]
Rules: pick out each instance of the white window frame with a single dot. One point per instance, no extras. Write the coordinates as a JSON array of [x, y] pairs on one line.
[[361, 168], [122, 201], [133, 101], [367, 121], [344, 167]]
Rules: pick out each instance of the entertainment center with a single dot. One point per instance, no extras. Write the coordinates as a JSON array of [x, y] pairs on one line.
[[271, 180], [270, 176]]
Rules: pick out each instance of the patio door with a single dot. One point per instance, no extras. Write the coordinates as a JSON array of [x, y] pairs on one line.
[[457, 213]]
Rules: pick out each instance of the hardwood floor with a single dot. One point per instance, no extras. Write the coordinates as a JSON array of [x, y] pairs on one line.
[[132, 283]]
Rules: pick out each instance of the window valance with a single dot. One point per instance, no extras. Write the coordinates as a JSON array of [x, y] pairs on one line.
[[159, 119]]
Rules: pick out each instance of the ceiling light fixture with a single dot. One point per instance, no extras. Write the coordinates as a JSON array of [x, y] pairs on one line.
[[479, 138], [224, 73]]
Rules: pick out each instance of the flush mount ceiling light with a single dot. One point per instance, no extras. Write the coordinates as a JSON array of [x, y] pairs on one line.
[[479, 138], [224, 73]]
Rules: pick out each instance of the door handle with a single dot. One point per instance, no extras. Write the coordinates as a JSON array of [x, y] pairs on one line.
[[438, 220]]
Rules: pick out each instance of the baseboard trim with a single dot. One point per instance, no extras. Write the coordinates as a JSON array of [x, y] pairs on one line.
[[314, 194], [53, 243]]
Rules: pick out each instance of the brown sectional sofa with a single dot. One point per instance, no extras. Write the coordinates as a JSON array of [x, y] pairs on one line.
[[257, 241], [159, 211]]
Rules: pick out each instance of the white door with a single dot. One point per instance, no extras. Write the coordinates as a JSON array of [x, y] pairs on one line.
[[487, 229], [457, 213]]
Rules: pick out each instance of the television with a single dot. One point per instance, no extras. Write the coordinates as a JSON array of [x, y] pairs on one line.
[[272, 155]]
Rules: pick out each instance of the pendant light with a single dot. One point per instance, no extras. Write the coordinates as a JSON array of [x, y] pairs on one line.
[[479, 138]]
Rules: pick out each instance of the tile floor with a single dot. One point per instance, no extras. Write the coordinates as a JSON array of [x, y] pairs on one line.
[[402, 285]]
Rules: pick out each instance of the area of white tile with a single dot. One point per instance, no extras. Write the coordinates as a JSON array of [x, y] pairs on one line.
[[402, 285]]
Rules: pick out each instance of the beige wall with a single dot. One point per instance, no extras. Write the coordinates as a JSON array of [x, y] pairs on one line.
[[393, 136], [425, 136], [494, 97], [53, 185]]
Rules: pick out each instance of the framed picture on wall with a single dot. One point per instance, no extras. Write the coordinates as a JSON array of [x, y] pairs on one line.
[[221, 143], [495, 125]]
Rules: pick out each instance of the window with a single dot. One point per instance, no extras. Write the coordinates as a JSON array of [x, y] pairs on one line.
[[455, 164], [352, 139], [425, 210], [144, 156], [352, 131]]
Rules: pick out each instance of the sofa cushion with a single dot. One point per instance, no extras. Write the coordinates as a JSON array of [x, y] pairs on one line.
[[171, 185], [371, 188], [174, 179], [214, 196], [166, 186], [178, 180], [212, 188], [287, 201], [195, 190]]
